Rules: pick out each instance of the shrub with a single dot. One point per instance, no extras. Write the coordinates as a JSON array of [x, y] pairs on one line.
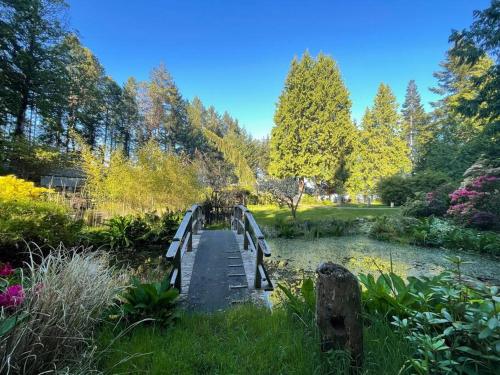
[[147, 300], [434, 203], [13, 188], [454, 327], [395, 189], [398, 189], [288, 228], [44, 223], [477, 203], [67, 294], [392, 228], [434, 232], [134, 231]]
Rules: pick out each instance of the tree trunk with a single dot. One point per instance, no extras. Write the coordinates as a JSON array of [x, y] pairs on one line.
[[338, 311], [21, 114]]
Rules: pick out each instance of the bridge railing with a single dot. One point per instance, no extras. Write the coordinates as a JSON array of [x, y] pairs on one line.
[[244, 223], [183, 241]]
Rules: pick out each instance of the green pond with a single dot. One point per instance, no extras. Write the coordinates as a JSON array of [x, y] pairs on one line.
[[361, 255]]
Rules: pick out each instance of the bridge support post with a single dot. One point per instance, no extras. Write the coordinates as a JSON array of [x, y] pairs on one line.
[[338, 311]]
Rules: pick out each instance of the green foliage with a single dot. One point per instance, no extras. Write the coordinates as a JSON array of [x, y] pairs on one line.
[[434, 232], [154, 180], [453, 326], [332, 227], [399, 189], [147, 301], [302, 305], [134, 232], [394, 189], [381, 149], [44, 223], [415, 122], [313, 130], [233, 152], [434, 203]]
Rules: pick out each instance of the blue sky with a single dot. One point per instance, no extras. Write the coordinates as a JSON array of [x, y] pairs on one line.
[[235, 54]]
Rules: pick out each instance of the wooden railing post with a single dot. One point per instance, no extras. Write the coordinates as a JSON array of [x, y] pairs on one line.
[[246, 231], [190, 235], [258, 263]]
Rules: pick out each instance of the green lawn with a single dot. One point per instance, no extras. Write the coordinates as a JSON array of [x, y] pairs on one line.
[[266, 214], [243, 340]]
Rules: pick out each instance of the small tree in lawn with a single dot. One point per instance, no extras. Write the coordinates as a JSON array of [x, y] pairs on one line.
[[285, 191]]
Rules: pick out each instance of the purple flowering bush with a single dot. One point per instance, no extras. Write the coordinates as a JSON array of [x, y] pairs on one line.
[[11, 288], [477, 204]]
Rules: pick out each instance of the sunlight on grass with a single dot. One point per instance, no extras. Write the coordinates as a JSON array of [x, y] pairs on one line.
[[244, 340], [266, 214]]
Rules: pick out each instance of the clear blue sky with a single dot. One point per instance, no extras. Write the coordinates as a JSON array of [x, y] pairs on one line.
[[235, 54]]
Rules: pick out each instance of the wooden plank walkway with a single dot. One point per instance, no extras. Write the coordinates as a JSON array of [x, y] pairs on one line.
[[218, 272]]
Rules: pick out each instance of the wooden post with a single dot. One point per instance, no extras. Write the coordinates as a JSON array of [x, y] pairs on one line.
[[338, 311], [259, 261], [190, 234], [246, 225], [177, 265]]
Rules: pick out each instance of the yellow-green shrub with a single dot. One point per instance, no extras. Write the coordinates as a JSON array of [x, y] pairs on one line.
[[13, 188], [44, 223]]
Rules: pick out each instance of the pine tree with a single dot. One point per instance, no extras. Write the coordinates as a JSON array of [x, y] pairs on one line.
[[414, 121], [30, 34], [313, 131], [381, 149]]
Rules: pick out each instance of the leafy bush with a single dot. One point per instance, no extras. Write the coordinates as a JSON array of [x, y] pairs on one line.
[[13, 188], [302, 305], [147, 300], [395, 189], [477, 203], [398, 189], [289, 228], [392, 228], [434, 232], [134, 231], [44, 223], [453, 326], [434, 203], [66, 295]]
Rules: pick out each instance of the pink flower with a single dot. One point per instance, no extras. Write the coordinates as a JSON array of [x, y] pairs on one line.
[[12, 296], [6, 270]]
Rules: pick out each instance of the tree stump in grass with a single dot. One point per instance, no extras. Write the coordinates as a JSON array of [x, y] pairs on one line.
[[338, 311]]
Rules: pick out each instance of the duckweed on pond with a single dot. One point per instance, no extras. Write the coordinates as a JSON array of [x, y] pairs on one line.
[[364, 255]]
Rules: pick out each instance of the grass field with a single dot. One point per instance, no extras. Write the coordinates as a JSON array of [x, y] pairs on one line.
[[244, 340], [266, 214]]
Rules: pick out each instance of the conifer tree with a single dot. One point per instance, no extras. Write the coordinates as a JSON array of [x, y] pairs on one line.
[[381, 149], [313, 131], [414, 121]]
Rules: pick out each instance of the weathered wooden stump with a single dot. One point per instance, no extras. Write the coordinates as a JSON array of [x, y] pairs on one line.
[[338, 311]]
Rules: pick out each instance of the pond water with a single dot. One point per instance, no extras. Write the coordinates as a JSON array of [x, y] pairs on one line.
[[361, 254]]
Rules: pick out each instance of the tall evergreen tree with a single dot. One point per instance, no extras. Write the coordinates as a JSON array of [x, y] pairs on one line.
[[457, 138], [414, 121], [31, 32], [313, 131], [381, 149]]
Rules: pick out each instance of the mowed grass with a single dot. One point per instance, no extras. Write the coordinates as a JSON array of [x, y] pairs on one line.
[[267, 214], [243, 340]]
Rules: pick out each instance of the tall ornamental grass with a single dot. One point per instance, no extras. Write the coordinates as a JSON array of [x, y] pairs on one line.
[[66, 295]]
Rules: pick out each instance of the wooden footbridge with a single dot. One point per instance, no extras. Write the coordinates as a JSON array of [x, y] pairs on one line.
[[213, 269]]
